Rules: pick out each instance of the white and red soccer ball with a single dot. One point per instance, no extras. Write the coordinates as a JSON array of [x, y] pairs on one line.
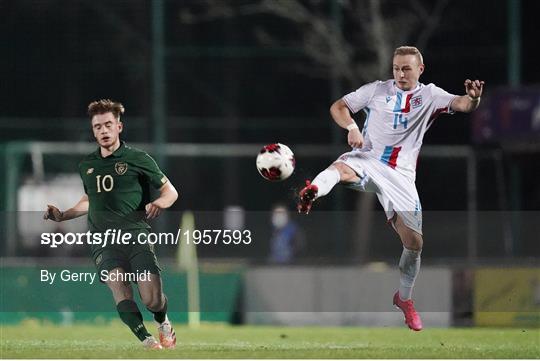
[[275, 162]]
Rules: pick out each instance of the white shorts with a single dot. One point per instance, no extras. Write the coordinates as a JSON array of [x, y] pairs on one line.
[[396, 192]]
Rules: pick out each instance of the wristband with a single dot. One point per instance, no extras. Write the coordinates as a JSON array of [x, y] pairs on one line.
[[477, 99], [352, 126]]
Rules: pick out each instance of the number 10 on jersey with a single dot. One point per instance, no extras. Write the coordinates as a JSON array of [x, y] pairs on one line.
[[107, 183]]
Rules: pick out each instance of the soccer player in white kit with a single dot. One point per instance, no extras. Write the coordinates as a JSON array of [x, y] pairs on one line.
[[398, 111]]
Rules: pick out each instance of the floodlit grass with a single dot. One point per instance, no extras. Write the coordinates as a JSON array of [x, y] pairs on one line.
[[33, 340]]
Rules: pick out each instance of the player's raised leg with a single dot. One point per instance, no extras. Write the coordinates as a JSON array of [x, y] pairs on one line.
[[129, 311], [409, 266], [323, 184], [156, 302]]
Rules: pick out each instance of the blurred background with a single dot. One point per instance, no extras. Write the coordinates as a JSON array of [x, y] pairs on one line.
[[206, 83]]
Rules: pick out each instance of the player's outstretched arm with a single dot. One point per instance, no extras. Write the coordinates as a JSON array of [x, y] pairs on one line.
[[80, 209], [167, 196], [342, 116], [470, 101]]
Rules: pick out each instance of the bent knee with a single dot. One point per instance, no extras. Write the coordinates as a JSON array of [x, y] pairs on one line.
[[412, 240], [120, 291], [346, 173], [154, 302]]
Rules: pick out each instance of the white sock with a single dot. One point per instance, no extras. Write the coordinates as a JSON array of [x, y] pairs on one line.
[[409, 266], [326, 180], [166, 320]]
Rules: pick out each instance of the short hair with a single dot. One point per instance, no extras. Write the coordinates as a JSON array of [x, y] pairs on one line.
[[105, 106], [409, 50]]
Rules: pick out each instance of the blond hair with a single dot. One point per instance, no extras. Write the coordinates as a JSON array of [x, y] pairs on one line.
[[105, 106], [409, 50]]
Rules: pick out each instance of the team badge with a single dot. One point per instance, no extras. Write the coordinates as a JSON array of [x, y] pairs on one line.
[[388, 99], [120, 168], [99, 259], [416, 102], [90, 171]]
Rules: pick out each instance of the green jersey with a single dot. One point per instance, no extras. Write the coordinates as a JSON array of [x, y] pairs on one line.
[[118, 188]]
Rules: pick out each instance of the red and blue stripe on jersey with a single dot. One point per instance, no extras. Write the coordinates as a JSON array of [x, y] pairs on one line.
[[390, 156], [397, 106]]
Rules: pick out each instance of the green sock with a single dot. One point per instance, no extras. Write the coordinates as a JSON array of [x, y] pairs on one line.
[[160, 316], [132, 317]]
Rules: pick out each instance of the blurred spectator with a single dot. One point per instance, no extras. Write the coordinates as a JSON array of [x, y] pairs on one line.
[[287, 240]]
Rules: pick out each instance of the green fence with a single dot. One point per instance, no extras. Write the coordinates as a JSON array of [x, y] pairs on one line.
[[24, 296]]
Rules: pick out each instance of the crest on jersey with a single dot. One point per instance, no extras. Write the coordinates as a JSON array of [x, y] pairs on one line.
[[90, 171], [120, 168], [416, 102]]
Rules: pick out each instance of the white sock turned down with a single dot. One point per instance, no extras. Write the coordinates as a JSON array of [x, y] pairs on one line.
[[326, 180]]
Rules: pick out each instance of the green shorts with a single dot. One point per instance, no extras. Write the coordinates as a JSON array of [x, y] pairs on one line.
[[132, 258]]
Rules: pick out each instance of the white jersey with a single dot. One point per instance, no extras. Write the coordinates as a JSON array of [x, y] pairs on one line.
[[396, 120]]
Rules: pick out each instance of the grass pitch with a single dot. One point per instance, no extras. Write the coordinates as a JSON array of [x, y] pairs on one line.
[[31, 340]]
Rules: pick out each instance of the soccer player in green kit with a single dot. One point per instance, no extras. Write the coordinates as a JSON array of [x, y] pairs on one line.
[[117, 181]]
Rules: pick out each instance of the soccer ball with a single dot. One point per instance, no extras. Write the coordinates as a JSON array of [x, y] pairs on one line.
[[275, 162]]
